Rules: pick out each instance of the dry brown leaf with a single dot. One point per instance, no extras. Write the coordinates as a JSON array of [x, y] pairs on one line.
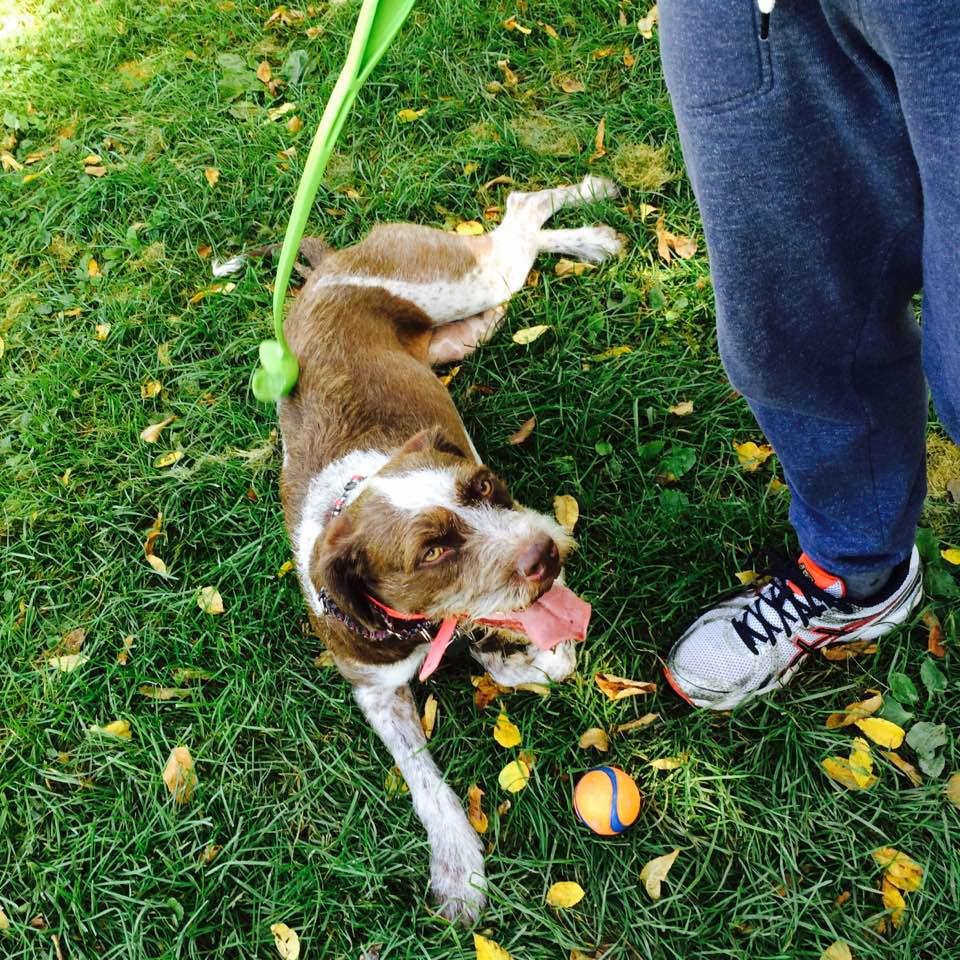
[[684, 247], [429, 719], [486, 691], [210, 601], [595, 737], [905, 767], [655, 872], [525, 430], [565, 894], [152, 433], [286, 941], [566, 510], [264, 73], [845, 651], [571, 85], [617, 688], [478, 819], [510, 79], [638, 724], [935, 645], [179, 775], [599, 150]]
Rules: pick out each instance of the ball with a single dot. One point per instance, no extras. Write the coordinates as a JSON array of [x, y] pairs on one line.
[[607, 800]]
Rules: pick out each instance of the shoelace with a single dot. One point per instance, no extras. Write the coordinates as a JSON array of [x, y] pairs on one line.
[[790, 597]]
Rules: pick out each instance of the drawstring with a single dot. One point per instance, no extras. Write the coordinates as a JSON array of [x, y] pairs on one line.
[[766, 8]]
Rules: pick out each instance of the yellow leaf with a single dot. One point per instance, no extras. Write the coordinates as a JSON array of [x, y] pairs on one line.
[[746, 577], [156, 563], [952, 790], [905, 767], [529, 334], [838, 769], [168, 459], [612, 353], [152, 433], [572, 268], [855, 711], [511, 24], [152, 692], [264, 73], [469, 228], [150, 389], [101, 331], [9, 162], [893, 901], [899, 869], [752, 456], [408, 116], [394, 783], [837, 950], [881, 731], [540, 689], [93, 171], [565, 894], [951, 556], [4, 922], [617, 688], [285, 568], [594, 737], [93, 268], [566, 510], [286, 941], [669, 763], [489, 949], [118, 728], [123, 656], [506, 733], [846, 651], [68, 662], [682, 409], [861, 762], [514, 776], [294, 125], [628, 58], [179, 775], [655, 872], [599, 150], [476, 816], [526, 428], [429, 719], [210, 601], [643, 721], [571, 85], [447, 378], [646, 23], [212, 175], [163, 354], [470, 168]]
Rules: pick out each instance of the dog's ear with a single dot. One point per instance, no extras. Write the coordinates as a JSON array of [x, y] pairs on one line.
[[340, 565], [431, 438]]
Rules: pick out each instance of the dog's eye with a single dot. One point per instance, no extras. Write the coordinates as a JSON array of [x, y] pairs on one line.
[[485, 488], [432, 554]]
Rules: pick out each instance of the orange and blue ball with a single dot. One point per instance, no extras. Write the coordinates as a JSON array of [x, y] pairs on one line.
[[607, 800]]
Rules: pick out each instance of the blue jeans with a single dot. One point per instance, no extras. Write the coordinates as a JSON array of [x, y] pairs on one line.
[[825, 159]]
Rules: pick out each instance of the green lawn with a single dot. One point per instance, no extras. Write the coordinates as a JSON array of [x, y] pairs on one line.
[[291, 782]]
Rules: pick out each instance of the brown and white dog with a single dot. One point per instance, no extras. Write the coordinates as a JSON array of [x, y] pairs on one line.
[[400, 533]]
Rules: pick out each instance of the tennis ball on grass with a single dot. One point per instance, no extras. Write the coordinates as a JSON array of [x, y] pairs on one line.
[[607, 800]]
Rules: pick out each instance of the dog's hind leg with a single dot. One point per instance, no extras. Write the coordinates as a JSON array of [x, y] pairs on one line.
[[456, 857]]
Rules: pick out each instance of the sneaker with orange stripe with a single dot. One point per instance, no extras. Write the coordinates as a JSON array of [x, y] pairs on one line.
[[755, 641]]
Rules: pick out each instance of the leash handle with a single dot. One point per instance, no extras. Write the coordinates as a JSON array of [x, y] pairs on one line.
[[377, 25]]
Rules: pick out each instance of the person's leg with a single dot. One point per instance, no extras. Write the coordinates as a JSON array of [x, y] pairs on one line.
[[802, 166], [803, 171]]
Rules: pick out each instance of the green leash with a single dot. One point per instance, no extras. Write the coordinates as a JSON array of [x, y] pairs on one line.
[[377, 25]]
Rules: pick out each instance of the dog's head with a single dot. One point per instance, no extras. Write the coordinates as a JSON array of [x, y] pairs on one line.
[[435, 534]]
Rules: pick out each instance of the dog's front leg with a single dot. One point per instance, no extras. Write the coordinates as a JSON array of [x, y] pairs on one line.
[[456, 858]]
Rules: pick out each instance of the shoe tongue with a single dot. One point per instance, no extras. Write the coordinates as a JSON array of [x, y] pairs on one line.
[[827, 582], [557, 616]]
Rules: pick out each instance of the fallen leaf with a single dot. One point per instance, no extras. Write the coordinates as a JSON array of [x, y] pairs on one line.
[[68, 663], [163, 354], [470, 168], [525, 430], [209, 292], [565, 894], [153, 692], [286, 941], [510, 79], [603, 53], [684, 247], [566, 510], [514, 776], [447, 378], [655, 872], [599, 150], [294, 125], [212, 175], [952, 790], [276, 113], [469, 228], [638, 724], [101, 331], [503, 808], [900, 870], [486, 691], [489, 949], [94, 171], [935, 645], [123, 654], [893, 901], [511, 24], [9, 162], [572, 268], [647, 22], [881, 731], [408, 116], [846, 651], [842, 898], [855, 711], [861, 762], [682, 409], [264, 73], [746, 577], [669, 763], [952, 555], [394, 784], [628, 58], [529, 334], [838, 769], [168, 459], [751, 456], [612, 353], [150, 389], [210, 601], [905, 767], [284, 569], [72, 641], [4, 922], [152, 433], [540, 689], [571, 85], [118, 728], [210, 853], [617, 688], [429, 719], [594, 737], [179, 775], [548, 30], [506, 733], [478, 819], [837, 950]]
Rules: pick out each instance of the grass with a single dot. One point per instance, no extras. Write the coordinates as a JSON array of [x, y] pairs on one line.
[[291, 782]]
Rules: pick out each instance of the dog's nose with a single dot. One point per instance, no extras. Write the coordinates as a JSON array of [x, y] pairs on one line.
[[539, 560]]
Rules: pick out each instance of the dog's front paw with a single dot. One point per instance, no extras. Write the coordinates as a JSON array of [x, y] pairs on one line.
[[596, 244], [457, 879], [598, 188]]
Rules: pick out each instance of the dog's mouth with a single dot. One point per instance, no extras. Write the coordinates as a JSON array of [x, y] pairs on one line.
[[557, 615]]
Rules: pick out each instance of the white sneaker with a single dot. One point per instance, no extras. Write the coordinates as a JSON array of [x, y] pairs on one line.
[[754, 642]]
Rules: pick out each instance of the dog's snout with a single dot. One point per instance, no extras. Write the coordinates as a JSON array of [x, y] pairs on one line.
[[539, 560]]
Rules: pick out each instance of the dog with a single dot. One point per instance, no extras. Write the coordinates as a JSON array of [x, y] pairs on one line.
[[401, 536]]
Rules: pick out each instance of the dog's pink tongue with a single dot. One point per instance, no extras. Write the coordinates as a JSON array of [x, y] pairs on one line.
[[557, 616], [438, 646]]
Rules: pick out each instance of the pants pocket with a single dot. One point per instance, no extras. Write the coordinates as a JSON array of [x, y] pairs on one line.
[[713, 56]]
